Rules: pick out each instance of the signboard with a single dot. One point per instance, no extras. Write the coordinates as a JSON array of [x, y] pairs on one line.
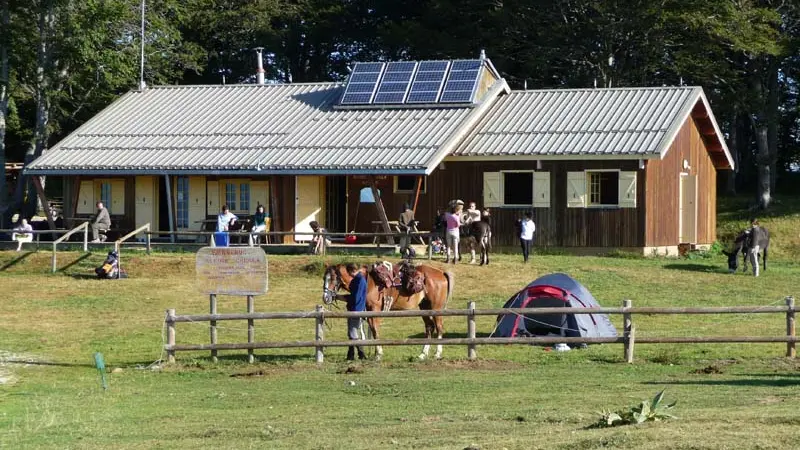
[[232, 270]]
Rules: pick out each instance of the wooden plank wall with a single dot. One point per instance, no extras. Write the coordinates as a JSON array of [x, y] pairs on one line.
[[663, 189], [556, 226]]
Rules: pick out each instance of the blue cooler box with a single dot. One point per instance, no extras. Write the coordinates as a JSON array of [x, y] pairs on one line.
[[221, 239]]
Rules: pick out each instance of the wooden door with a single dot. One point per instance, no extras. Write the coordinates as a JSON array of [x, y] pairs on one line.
[[86, 198], [146, 202], [308, 205], [688, 209], [197, 202]]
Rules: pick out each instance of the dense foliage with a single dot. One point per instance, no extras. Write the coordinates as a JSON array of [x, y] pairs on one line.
[[61, 61]]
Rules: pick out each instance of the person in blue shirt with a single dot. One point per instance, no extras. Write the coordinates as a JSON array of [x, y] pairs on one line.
[[356, 301]]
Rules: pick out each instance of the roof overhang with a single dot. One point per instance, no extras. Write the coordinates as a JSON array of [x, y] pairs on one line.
[[228, 172], [699, 110]]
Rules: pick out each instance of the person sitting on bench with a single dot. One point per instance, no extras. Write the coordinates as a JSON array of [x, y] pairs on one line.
[[101, 222], [19, 234]]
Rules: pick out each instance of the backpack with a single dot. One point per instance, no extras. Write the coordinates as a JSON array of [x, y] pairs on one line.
[[109, 268]]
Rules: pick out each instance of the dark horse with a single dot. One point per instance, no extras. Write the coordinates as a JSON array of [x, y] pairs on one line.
[[438, 289], [750, 243], [477, 234]]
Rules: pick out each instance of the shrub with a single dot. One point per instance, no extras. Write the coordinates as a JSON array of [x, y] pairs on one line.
[[652, 411]]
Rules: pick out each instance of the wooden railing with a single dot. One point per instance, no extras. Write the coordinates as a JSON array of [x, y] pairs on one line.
[[628, 337], [118, 243], [85, 227]]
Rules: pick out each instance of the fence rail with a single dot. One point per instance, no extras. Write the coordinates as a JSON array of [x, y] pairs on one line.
[[85, 227], [472, 341]]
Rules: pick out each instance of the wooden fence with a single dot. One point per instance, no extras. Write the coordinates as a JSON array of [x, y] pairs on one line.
[[628, 337]]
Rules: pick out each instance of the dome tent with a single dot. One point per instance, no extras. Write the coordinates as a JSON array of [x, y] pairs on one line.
[[556, 290]]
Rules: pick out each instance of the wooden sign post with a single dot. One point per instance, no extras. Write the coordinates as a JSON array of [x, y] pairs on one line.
[[241, 271]]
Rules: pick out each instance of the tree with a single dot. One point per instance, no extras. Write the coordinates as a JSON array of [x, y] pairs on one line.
[[5, 71]]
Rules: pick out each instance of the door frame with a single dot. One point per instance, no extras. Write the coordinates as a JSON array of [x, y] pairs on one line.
[[681, 208]]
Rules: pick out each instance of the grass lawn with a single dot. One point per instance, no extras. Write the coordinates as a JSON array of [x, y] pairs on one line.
[[729, 395]]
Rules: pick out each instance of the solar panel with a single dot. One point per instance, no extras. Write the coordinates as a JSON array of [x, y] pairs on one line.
[[427, 82], [395, 81], [461, 81], [362, 84]]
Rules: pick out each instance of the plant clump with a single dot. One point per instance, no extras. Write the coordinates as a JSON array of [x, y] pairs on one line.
[[647, 411]]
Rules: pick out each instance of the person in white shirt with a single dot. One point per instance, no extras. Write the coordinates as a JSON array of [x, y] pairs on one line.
[[473, 214], [527, 229], [224, 219], [20, 234]]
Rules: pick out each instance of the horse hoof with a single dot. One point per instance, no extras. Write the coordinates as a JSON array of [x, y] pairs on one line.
[[422, 357], [378, 357], [438, 357]]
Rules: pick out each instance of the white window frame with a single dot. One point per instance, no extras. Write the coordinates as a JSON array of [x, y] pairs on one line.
[[237, 183], [589, 189], [411, 191], [503, 189], [182, 202]]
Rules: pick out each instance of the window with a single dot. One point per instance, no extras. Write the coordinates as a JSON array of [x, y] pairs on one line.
[[407, 184], [105, 194], [230, 196], [237, 195], [518, 188], [603, 188], [244, 197], [182, 203]]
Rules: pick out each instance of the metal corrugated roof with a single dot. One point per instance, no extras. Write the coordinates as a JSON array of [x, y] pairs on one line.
[[271, 128], [634, 122]]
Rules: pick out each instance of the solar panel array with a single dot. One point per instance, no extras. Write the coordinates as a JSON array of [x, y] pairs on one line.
[[411, 82]]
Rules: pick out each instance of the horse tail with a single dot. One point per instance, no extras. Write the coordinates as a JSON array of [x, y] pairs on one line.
[[451, 280]]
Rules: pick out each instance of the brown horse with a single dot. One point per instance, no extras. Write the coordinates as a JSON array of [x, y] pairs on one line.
[[438, 289]]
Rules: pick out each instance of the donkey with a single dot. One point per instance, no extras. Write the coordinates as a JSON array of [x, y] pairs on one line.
[[750, 242]]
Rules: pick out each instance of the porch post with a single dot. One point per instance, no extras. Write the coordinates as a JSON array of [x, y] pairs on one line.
[[273, 209], [416, 196], [381, 211], [171, 212], [37, 183]]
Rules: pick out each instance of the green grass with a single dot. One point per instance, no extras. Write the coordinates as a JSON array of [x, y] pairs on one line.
[[512, 397]]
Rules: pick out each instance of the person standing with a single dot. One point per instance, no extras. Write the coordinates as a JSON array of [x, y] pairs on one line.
[[224, 219], [453, 223], [259, 224], [102, 221], [527, 229], [356, 301], [473, 214], [406, 224]]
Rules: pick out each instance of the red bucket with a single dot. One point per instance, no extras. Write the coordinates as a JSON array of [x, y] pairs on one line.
[[350, 239]]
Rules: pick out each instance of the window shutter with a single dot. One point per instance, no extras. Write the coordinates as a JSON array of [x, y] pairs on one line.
[[492, 196], [627, 189], [86, 198], [212, 188], [541, 189], [576, 189], [117, 205]]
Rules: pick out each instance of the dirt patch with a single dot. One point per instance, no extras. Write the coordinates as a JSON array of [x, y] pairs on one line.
[[352, 369], [469, 365], [7, 359], [709, 370], [770, 400]]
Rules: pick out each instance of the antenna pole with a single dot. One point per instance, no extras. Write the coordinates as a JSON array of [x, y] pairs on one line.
[[141, 63]]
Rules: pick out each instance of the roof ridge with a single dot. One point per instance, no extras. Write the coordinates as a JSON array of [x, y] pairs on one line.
[[241, 85], [641, 88]]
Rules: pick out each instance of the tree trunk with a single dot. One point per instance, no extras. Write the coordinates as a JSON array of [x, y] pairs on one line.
[[762, 160], [733, 146], [773, 91], [5, 19], [41, 132]]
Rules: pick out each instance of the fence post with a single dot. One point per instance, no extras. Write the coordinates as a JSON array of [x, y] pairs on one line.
[[628, 333], [251, 329], [472, 352], [320, 335], [86, 237], [430, 247], [170, 335], [147, 240], [212, 300], [53, 262], [791, 347]]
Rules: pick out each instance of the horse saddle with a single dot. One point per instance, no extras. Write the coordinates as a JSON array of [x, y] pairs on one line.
[[409, 278]]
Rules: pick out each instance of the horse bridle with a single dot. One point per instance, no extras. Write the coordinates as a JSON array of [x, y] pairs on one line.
[[329, 295]]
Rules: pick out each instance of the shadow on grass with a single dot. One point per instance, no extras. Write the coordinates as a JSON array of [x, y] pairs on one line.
[[762, 381], [450, 335], [691, 267], [77, 261], [15, 261], [23, 362], [83, 276]]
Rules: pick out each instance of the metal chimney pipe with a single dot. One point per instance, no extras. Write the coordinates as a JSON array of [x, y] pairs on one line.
[[260, 62]]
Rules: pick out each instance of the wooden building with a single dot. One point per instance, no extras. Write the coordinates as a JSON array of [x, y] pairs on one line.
[[630, 168]]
